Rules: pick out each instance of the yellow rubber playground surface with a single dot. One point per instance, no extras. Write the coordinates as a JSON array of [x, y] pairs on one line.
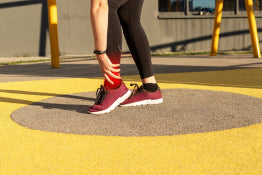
[[27, 151]]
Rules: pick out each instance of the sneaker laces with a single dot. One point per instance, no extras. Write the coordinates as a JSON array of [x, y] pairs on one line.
[[100, 94], [136, 89]]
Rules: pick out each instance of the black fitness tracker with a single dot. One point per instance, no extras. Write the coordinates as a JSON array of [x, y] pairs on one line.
[[98, 52]]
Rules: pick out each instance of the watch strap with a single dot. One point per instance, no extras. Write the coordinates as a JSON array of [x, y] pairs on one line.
[[98, 52]]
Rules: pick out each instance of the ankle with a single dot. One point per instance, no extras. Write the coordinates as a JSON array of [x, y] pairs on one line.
[[117, 84], [149, 80], [151, 87]]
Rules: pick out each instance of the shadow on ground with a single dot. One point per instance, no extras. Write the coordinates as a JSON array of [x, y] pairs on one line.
[[226, 72], [192, 111], [246, 73]]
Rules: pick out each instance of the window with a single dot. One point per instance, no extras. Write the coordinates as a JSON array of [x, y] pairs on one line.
[[204, 7], [171, 5], [229, 5], [257, 5], [197, 5]]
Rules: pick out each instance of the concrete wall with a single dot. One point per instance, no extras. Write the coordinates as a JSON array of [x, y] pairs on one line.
[[24, 29], [196, 34], [20, 28]]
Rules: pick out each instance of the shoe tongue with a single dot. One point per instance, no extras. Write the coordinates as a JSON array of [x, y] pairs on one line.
[[137, 90], [141, 88], [105, 89]]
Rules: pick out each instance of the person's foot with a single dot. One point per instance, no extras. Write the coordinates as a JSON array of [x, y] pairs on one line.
[[140, 96], [109, 99]]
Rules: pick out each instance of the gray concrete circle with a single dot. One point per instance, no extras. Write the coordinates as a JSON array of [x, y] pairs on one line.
[[184, 111]]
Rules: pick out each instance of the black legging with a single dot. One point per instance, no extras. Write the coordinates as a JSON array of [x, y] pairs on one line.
[[127, 13]]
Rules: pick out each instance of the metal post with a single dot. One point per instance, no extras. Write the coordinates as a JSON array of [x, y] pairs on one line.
[[216, 30], [53, 34], [253, 28], [237, 7], [187, 7], [169, 6]]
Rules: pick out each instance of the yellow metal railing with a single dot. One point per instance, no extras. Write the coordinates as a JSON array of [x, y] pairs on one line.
[[53, 33], [252, 28], [216, 31]]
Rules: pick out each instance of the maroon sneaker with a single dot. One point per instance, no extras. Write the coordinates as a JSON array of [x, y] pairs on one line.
[[140, 96], [109, 99]]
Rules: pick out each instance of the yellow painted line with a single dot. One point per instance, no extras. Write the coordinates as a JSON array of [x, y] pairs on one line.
[[26, 151]]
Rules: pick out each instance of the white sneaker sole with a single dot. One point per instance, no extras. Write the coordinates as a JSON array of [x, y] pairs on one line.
[[144, 102], [114, 105]]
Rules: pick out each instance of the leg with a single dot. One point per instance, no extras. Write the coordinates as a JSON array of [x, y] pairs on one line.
[[129, 15], [110, 96], [114, 42]]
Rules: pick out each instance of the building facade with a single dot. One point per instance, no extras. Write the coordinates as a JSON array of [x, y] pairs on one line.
[[171, 25]]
